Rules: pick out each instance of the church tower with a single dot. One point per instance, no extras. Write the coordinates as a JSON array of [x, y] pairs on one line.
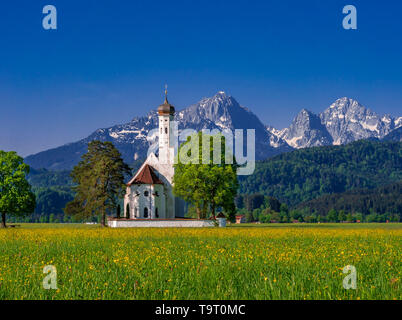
[[149, 194], [166, 132]]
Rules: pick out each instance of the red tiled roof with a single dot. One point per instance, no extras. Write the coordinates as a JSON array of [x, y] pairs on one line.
[[146, 176]]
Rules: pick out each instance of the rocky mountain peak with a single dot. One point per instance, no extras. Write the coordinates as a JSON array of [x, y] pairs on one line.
[[220, 111], [344, 121], [347, 120], [306, 130]]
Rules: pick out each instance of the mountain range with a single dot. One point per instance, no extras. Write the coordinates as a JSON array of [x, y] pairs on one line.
[[344, 121]]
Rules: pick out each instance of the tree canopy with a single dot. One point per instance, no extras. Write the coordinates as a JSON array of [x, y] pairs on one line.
[[207, 181], [305, 174], [16, 197], [99, 179]]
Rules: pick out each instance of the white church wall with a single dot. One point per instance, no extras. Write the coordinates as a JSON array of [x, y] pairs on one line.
[[168, 206], [174, 223], [149, 197]]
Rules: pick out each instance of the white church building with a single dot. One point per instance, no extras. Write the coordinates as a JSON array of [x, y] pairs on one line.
[[149, 199], [149, 193]]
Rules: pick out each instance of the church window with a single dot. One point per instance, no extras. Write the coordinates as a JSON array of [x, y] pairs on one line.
[[146, 193], [145, 212], [156, 213], [128, 211], [161, 130], [165, 129]]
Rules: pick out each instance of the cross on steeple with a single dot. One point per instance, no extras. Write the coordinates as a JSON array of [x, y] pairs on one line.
[[166, 91]]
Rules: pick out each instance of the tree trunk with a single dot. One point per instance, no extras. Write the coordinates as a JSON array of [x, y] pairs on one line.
[[213, 208], [103, 219], [204, 210], [198, 210], [3, 220]]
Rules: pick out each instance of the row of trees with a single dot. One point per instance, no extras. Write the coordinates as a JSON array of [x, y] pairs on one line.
[[97, 184], [99, 180], [265, 209], [306, 174], [381, 200]]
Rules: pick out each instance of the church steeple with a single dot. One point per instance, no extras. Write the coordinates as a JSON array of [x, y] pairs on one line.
[[166, 108], [166, 127]]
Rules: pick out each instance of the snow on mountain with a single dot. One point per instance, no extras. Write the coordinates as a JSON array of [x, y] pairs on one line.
[[306, 130], [344, 121], [398, 122], [218, 112], [347, 120]]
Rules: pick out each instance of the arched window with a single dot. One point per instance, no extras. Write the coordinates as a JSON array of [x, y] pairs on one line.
[[145, 212], [165, 129], [161, 130], [118, 211], [127, 211], [156, 213], [146, 193], [136, 212]]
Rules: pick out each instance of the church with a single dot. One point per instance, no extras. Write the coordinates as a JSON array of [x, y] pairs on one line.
[[149, 193]]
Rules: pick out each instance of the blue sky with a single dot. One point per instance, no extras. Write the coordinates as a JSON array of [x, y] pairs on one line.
[[108, 61]]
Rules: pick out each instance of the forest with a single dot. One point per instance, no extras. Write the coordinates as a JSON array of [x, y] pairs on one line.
[[363, 177], [306, 174]]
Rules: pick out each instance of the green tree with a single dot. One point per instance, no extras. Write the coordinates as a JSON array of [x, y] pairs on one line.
[[359, 216], [350, 218], [99, 179], [341, 216], [332, 215], [296, 215], [201, 180], [372, 217], [275, 216], [16, 197], [256, 214], [231, 212], [284, 210], [249, 216]]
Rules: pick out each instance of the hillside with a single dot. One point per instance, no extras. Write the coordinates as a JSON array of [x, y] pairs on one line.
[[292, 177], [305, 174], [385, 199]]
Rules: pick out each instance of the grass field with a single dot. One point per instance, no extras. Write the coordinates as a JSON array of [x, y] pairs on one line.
[[243, 262]]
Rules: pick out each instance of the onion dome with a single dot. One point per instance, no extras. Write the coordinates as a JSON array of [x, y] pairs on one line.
[[166, 108]]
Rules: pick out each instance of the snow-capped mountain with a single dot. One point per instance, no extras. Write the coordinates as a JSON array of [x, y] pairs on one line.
[[306, 130], [347, 120], [218, 112], [344, 121]]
